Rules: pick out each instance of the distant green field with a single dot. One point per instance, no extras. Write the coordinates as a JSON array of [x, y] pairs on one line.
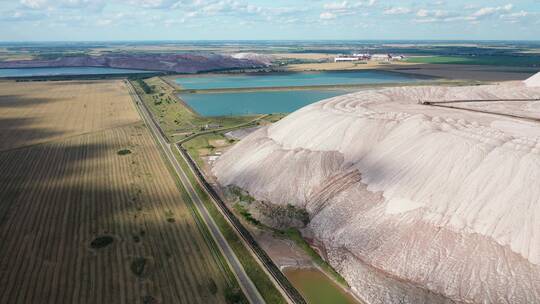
[[522, 61]]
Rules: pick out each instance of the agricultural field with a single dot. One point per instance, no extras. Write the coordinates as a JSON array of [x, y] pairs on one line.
[[40, 112], [342, 66], [89, 211], [522, 61]]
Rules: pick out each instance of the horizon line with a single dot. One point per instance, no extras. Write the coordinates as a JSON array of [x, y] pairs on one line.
[[270, 40]]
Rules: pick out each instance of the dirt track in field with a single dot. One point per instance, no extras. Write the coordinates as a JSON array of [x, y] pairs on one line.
[[63, 184]]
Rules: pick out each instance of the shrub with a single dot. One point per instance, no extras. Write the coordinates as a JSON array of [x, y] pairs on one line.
[[124, 152], [234, 296], [149, 300], [101, 242], [245, 213], [298, 213], [241, 194], [144, 86], [138, 265], [212, 287]]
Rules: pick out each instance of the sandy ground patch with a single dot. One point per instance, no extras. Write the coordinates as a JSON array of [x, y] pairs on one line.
[[219, 142]]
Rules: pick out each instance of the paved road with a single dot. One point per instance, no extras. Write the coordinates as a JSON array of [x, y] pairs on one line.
[[245, 282]]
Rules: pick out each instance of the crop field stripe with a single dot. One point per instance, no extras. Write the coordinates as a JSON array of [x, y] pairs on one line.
[[42, 233], [190, 260], [154, 126], [121, 198], [215, 251], [181, 240], [187, 260], [30, 263], [8, 280], [186, 282], [60, 253]]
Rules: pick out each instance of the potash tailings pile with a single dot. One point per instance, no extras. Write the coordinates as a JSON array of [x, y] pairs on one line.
[[423, 194], [178, 63]]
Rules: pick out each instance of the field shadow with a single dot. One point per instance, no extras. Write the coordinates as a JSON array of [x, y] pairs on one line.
[[29, 168], [20, 101], [16, 133], [56, 199]]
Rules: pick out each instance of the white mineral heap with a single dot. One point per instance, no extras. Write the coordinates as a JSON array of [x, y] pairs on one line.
[[534, 81], [412, 203]]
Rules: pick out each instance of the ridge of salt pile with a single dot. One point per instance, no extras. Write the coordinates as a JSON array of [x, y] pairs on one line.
[[533, 81]]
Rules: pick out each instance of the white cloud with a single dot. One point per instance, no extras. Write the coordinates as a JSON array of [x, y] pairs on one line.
[[430, 16], [89, 13], [516, 15], [21, 15], [342, 6], [197, 8], [397, 11], [154, 3], [327, 16], [172, 22], [336, 5], [35, 4], [422, 13], [432, 13], [520, 17], [103, 22], [488, 11], [370, 2], [89, 5]]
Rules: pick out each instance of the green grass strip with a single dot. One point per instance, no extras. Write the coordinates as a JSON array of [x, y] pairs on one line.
[[266, 287]]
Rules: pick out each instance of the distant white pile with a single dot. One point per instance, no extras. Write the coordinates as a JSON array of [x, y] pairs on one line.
[[412, 203], [262, 58]]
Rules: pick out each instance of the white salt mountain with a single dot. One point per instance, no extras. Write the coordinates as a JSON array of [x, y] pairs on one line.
[[534, 81], [411, 203]]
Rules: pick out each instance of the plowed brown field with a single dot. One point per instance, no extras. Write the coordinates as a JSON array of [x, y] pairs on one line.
[[63, 184]]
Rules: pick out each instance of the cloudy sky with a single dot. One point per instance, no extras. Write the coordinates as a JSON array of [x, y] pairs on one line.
[[62, 20]]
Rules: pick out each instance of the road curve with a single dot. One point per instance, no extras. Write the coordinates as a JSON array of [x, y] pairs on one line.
[[243, 279]]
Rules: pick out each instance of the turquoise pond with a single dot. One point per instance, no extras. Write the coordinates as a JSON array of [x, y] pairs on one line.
[[260, 102], [265, 102], [291, 79], [66, 71]]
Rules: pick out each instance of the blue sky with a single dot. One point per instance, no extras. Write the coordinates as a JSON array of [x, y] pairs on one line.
[[62, 20]]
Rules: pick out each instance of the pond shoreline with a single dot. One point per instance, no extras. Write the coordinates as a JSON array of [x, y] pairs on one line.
[[67, 73], [286, 79], [292, 271]]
